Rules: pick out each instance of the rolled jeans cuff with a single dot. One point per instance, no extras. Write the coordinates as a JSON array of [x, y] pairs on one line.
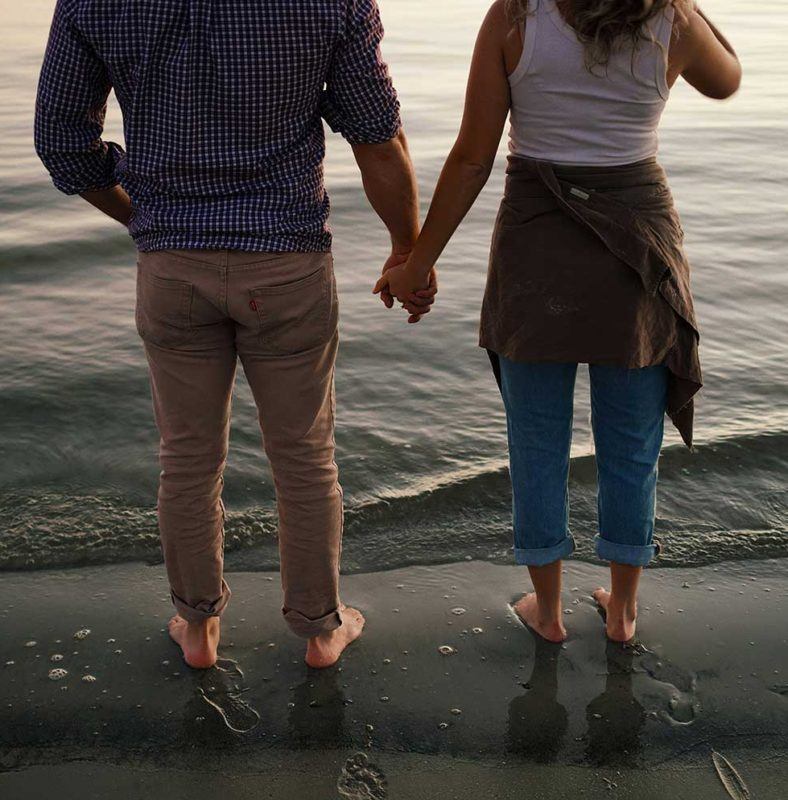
[[634, 555], [306, 627], [204, 609], [540, 556]]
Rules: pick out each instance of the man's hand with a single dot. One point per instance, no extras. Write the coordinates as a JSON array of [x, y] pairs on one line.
[[398, 282], [394, 260], [114, 202]]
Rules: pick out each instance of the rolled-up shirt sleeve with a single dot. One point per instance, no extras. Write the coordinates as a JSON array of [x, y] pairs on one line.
[[359, 100], [71, 104]]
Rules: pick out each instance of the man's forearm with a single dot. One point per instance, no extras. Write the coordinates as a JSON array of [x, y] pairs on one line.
[[114, 202], [390, 185]]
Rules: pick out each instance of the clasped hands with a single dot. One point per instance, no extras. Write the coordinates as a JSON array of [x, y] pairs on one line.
[[400, 282]]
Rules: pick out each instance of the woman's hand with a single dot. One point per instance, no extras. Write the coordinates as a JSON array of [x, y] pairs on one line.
[[399, 281]]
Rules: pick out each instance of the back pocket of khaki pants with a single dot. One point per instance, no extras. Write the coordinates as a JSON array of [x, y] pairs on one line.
[[163, 311], [293, 317]]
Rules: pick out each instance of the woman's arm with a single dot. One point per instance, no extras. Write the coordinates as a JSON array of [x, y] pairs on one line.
[[704, 57], [471, 159]]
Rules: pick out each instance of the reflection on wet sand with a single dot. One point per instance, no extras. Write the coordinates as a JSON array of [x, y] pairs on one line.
[[615, 718], [317, 721], [317, 712], [537, 721]]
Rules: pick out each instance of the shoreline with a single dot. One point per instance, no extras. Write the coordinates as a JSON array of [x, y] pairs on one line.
[[710, 672], [463, 514]]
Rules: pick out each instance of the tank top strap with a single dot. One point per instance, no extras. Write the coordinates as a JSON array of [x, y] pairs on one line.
[[662, 32], [528, 28]]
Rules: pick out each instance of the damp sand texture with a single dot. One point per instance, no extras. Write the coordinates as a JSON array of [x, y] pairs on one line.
[[446, 689]]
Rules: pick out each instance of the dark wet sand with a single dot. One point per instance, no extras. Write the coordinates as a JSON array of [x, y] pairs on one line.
[[503, 716]]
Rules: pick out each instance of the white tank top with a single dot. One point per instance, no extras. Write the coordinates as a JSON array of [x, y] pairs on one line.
[[566, 114]]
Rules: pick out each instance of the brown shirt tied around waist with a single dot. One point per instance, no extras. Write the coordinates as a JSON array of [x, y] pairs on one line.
[[587, 266]]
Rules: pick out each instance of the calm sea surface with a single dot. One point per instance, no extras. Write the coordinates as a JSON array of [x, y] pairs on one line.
[[421, 430]]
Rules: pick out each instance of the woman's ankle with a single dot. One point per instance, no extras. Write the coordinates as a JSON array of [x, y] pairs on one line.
[[549, 614], [625, 609]]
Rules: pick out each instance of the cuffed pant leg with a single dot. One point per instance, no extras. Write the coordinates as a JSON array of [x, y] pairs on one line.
[[628, 409], [294, 393], [295, 397], [539, 402], [191, 398]]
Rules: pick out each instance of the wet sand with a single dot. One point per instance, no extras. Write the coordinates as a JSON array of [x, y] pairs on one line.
[[501, 715]]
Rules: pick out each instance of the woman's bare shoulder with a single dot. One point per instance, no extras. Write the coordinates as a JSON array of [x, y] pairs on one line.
[[503, 25], [501, 15]]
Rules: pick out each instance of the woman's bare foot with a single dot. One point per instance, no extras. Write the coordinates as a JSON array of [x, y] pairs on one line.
[[324, 650], [198, 640], [619, 620], [548, 628]]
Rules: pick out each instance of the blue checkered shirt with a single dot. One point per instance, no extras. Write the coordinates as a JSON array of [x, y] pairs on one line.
[[222, 105]]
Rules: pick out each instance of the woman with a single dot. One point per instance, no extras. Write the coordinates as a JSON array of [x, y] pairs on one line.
[[586, 264]]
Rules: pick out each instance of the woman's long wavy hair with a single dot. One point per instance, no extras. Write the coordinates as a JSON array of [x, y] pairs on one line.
[[603, 25]]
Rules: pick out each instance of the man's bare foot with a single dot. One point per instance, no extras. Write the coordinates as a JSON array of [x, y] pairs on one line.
[[528, 610], [619, 621], [198, 640], [324, 650]]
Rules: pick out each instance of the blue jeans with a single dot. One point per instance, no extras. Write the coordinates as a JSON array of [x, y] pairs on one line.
[[627, 412]]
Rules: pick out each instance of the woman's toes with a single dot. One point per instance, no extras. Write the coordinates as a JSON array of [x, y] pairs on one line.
[[602, 596]]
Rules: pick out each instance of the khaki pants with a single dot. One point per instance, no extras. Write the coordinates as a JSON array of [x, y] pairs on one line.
[[198, 311]]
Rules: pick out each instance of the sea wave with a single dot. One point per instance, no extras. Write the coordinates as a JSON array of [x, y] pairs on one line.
[[726, 501]]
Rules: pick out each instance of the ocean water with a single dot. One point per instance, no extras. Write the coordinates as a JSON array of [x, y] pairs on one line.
[[421, 440]]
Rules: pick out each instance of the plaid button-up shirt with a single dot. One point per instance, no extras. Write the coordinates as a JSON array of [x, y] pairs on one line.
[[222, 105]]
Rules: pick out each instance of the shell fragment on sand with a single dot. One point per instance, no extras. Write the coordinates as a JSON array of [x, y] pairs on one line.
[[733, 782]]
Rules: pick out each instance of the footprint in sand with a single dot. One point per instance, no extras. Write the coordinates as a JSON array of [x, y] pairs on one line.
[[362, 780], [221, 689], [674, 689]]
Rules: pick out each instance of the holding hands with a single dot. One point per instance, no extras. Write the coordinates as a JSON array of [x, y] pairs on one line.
[[401, 281]]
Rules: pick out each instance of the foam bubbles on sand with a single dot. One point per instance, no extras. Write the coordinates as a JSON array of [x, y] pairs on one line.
[[89, 678], [31, 643], [82, 633], [458, 612], [57, 674], [56, 657], [447, 650]]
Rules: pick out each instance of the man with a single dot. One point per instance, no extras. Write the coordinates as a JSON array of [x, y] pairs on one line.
[[221, 188]]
